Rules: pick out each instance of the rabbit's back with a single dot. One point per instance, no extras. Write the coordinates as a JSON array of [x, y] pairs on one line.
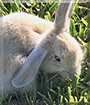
[[22, 30], [19, 32]]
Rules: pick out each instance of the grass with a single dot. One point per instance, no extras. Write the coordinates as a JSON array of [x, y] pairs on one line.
[[69, 91]]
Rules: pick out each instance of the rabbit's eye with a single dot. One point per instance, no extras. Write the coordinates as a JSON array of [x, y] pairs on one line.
[[57, 58]]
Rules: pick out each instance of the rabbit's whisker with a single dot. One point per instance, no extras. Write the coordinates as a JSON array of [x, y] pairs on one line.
[[52, 60], [51, 56]]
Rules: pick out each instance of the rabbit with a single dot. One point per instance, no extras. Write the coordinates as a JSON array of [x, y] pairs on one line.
[[30, 45]]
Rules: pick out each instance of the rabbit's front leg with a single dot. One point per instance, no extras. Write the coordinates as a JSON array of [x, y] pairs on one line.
[[12, 64]]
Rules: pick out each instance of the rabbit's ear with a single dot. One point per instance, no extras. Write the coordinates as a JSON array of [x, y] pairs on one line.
[[29, 69], [63, 14]]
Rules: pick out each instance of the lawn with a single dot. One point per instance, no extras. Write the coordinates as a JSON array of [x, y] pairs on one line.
[[76, 90]]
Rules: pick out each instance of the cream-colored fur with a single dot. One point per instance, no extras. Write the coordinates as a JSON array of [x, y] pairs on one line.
[[19, 33]]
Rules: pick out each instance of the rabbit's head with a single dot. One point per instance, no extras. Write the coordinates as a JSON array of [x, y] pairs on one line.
[[60, 54], [64, 57]]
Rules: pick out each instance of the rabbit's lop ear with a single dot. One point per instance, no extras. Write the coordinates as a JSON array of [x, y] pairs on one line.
[[29, 69], [63, 14]]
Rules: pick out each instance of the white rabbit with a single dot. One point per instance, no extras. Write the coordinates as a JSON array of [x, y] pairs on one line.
[[56, 51]]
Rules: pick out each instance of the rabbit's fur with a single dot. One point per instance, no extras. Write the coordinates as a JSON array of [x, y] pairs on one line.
[[19, 34]]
